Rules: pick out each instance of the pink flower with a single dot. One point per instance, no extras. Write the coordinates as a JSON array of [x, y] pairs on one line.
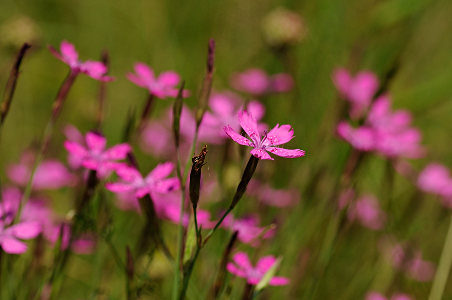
[[155, 182], [224, 108], [277, 136], [367, 211], [257, 82], [361, 138], [249, 231], [274, 197], [242, 267], [435, 179], [10, 237], [50, 174], [94, 156], [359, 91], [165, 85], [69, 56], [385, 132], [415, 266]]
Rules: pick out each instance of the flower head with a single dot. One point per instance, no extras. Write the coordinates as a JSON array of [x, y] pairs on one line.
[[262, 145], [68, 55], [249, 231], [10, 237], [367, 211], [378, 296], [242, 267], [162, 86], [94, 156], [435, 179], [359, 90], [274, 197], [258, 82], [155, 182], [50, 174]]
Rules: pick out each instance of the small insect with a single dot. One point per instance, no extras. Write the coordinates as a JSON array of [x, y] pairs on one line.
[[198, 160]]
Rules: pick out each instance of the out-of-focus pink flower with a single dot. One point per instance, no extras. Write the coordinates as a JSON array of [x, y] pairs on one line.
[[74, 135], [270, 196], [163, 86], [155, 182], [378, 296], [224, 108], [359, 90], [68, 55], [394, 135], [367, 211], [258, 82], [345, 198], [412, 263], [11, 236], [84, 244], [242, 267], [249, 231], [94, 156], [50, 174], [435, 179], [277, 136], [361, 138], [385, 132]]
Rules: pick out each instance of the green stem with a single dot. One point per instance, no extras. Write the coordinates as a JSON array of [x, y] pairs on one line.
[[445, 262]]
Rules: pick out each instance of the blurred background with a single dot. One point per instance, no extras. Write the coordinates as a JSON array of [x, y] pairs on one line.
[[409, 40]]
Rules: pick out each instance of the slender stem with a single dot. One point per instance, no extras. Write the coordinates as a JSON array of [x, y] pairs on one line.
[[146, 112], [187, 274], [442, 273]]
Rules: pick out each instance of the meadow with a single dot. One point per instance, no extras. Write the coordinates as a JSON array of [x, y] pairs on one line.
[[311, 139]]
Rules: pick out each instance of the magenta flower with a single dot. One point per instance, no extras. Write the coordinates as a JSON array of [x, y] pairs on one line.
[[94, 156], [163, 86], [359, 91], [68, 55], [412, 263], [367, 211], [378, 296], [242, 267], [277, 136], [249, 231], [10, 237], [155, 182], [257, 82], [50, 174], [385, 132], [435, 179], [274, 197]]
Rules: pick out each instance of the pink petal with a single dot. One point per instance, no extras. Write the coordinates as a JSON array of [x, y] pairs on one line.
[[117, 152], [237, 137], [118, 187], [256, 109], [25, 230], [167, 185], [242, 260], [161, 171], [249, 124], [362, 138], [69, 53], [94, 69], [127, 173], [253, 81], [265, 263], [13, 246], [364, 87], [277, 280], [95, 141], [401, 297], [279, 135], [223, 104], [145, 73], [261, 154], [75, 149], [342, 80], [234, 270], [168, 78], [136, 80], [288, 153]]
